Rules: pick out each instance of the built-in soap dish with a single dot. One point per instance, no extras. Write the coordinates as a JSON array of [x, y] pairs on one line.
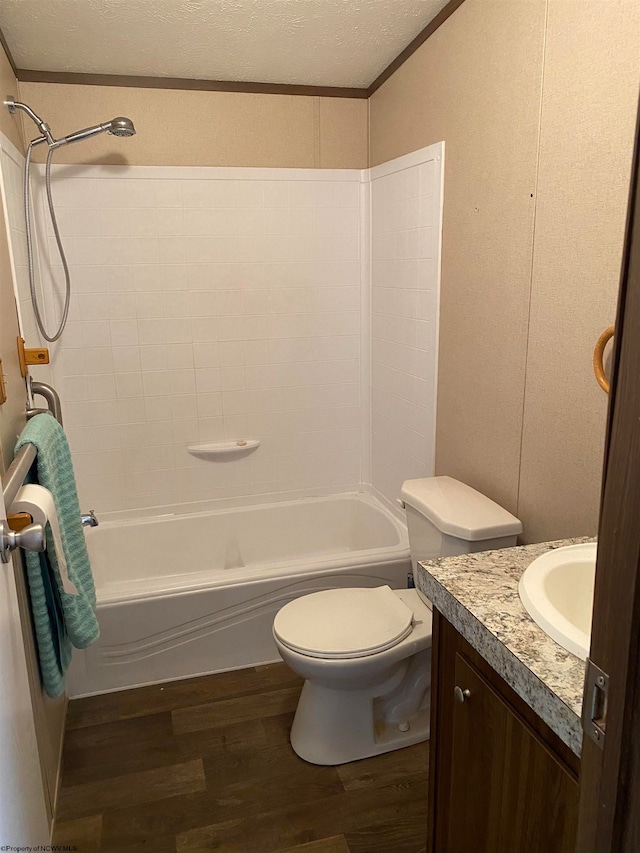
[[224, 449]]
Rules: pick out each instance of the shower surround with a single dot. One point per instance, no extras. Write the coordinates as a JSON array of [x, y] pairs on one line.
[[294, 306]]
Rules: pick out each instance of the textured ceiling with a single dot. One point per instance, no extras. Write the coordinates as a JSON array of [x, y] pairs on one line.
[[312, 42]]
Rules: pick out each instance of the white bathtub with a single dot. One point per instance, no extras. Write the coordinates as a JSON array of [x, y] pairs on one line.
[[186, 594]]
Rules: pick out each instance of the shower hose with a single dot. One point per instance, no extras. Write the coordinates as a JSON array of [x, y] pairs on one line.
[[56, 231]]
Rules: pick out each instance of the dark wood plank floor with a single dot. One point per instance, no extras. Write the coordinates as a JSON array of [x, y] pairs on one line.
[[206, 764]]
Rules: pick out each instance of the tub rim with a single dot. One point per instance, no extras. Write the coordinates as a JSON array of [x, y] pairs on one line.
[[133, 517], [186, 583]]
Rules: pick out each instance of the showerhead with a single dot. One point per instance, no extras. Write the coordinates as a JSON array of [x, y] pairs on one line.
[[118, 126], [121, 126]]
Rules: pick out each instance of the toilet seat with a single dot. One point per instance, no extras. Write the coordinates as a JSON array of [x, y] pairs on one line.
[[344, 623]]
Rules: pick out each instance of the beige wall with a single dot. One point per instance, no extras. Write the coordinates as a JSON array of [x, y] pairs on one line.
[[536, 102], [179, 128], [590, 97], [8, 125]]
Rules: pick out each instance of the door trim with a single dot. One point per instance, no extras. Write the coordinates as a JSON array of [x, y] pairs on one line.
[[610, 778]]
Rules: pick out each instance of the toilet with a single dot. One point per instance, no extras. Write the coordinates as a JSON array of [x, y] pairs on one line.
[[365, 654]]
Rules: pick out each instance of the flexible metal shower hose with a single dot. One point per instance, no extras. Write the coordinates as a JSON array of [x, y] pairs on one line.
[[54, 223]]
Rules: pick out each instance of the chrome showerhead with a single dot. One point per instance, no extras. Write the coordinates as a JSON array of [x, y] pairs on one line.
[[118, 126], [121, 126]]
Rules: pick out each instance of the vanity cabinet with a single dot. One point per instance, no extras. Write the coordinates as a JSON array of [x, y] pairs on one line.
[[500, 780]]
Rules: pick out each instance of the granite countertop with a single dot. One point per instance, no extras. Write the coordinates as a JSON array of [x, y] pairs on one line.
[[478, 594]]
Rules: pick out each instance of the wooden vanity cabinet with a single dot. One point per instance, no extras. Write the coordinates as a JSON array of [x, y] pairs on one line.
[[500, 780]]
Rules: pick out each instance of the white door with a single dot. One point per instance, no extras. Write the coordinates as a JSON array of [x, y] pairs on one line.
[[23, 813]]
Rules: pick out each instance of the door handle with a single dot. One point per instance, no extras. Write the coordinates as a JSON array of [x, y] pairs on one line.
[[31, 538]]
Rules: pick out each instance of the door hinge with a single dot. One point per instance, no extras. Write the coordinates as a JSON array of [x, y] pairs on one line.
[[594, 707]]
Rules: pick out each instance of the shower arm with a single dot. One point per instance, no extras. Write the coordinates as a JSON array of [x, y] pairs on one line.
[[13, 105]]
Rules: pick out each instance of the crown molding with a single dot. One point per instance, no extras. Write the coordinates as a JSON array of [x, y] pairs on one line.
[[26, 75], [411, 48], [187, 84]]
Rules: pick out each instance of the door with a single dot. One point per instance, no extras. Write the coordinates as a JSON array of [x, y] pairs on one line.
[[477, 764], [23, 812], [508, 791], [610, 774]]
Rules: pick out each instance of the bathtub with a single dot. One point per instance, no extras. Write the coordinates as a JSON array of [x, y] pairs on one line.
[[189, 593]]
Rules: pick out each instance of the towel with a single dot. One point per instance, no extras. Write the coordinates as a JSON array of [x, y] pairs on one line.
[[54, 647], [60, 618]]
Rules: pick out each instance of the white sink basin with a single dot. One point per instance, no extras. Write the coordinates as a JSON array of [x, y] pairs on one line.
[[557, 592]]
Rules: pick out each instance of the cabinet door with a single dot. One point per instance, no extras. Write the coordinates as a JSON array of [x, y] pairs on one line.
[[508, 792], [477, 764], [539, 799]]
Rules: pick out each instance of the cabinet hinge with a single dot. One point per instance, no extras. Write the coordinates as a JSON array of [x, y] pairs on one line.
[[594, 707]]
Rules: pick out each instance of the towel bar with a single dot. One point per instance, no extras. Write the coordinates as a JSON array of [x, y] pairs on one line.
[[32, 537], [16, 473], [13, 479]]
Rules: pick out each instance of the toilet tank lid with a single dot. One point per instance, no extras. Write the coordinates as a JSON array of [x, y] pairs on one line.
[[458, 510]]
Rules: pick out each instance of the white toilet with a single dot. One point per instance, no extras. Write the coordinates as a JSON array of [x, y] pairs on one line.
[[365, 654]]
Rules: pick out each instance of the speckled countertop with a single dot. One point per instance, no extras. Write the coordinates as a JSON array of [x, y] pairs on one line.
[[478, 594]]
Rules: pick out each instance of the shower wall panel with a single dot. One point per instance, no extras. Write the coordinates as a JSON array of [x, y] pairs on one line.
[[298, 307], [406, 204], [209, 304]]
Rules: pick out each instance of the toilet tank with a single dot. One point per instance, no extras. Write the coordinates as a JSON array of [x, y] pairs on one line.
[[446, 517]]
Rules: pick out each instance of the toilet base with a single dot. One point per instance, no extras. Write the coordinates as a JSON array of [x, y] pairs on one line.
[[337, 726]]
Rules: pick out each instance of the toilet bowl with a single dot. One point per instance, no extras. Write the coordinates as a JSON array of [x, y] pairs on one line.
[[365, 654], [374, 696]]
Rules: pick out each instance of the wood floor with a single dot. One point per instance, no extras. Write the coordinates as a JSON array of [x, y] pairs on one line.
[[206, 764]]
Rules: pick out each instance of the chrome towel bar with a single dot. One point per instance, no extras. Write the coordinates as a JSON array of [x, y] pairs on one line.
[[32, 537], [16, 473], [15, 476]]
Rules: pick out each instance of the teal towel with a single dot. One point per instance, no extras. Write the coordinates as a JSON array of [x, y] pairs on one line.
[[54, 647], [60, 617]]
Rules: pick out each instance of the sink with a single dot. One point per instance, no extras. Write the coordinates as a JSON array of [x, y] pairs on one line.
[[556, 590]]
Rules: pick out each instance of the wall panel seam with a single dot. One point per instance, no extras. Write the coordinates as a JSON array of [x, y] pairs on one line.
[[533, 244]]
